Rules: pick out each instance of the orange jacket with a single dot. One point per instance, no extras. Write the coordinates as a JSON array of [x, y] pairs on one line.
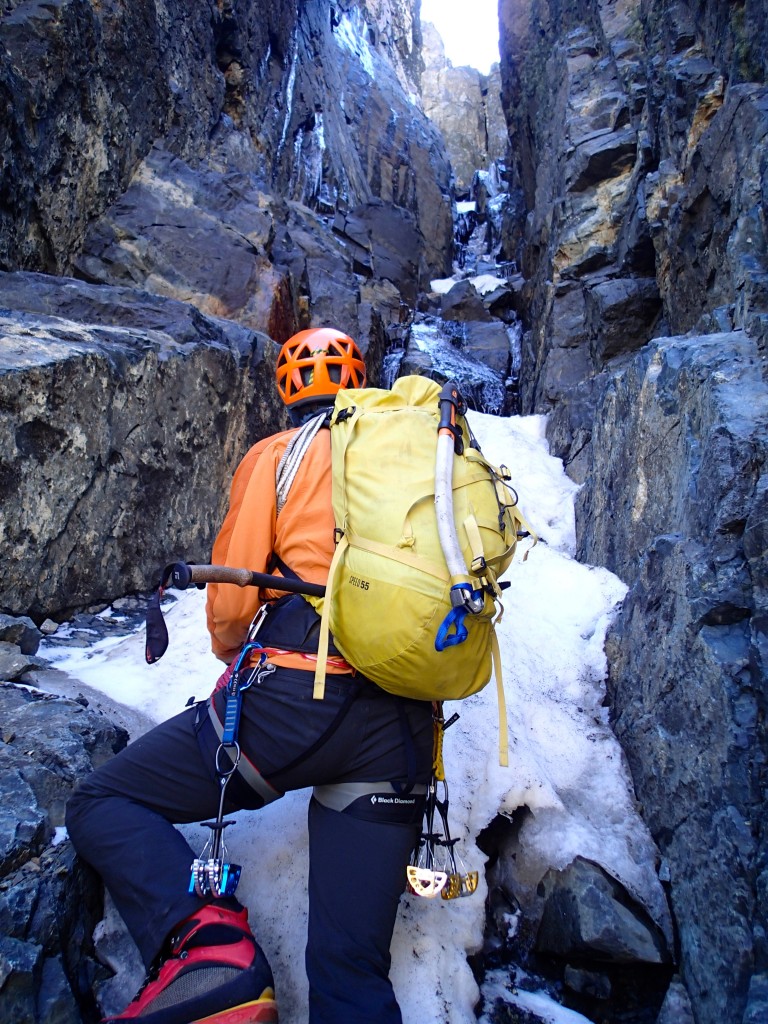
[[301, 536]]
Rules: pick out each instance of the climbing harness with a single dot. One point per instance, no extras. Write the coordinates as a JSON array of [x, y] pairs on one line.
[[212, 874], [435, 865]]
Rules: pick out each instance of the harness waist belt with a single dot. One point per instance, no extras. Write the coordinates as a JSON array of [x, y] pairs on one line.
[[339, 795]]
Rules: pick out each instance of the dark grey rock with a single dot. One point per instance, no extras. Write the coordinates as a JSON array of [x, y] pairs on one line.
[[665, 505], [13, 664], [463, 303], [21, 965], [50, 901], [48, 911], [489, 344], [114, 947], [54, 998], [181, 403], [386, 245], [619, 316], [604, 155], [676, 1008], [24, 826], [569, 428], [589, 983], [47, 744], [757, 1000], [269, 90], [20, 631], [588, 914]]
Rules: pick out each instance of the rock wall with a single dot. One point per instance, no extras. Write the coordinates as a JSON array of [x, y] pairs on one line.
[[308, 98], [49, 902], [638, 178], [123, 416], [262, 168], [682, 496], [637, 163], [466, 107]]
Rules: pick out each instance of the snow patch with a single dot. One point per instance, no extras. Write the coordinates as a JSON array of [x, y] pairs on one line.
[[485, 283], [442, 285]]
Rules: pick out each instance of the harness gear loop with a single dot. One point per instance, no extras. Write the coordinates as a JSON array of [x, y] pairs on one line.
[[435, 865]]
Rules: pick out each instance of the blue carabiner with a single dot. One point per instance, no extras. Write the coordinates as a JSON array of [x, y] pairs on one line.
[[453, 620], [235, 694]]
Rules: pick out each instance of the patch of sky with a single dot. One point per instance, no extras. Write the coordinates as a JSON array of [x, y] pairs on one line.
[[470, 34]]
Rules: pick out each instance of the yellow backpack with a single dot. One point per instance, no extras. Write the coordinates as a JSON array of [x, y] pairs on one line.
[[424, 528]]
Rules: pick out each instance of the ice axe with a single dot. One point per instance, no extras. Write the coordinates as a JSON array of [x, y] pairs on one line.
[[182, 575]]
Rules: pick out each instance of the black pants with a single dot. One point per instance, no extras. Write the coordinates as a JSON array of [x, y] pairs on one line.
[[357, 743]]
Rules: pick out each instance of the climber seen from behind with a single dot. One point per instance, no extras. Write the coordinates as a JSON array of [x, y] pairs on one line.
[[357, 743]]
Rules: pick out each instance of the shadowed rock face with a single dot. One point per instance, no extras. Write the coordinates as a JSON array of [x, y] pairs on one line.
[[638, 171], [308, 99], [49, 901], [263, 163], [117, 442], [687, 425], [635, 155]]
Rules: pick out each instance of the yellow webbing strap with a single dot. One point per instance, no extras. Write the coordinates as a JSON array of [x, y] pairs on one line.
[[474, 538], [397, 554], [438, 768], [479, 564], [503, 727], [518, 515], [322, 644]]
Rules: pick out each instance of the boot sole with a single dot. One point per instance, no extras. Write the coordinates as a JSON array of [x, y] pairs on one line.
[[261, 1011]]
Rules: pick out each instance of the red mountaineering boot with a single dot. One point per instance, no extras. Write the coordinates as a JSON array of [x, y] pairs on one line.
[[215, 973]]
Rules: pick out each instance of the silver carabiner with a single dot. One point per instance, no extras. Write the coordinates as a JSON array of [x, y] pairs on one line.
[[257, 622]]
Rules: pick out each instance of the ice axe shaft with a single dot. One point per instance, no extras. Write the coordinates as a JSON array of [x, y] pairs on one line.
[[181, 575]]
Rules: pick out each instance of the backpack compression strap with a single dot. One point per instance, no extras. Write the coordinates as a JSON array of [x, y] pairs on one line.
[[325, 630], [503, 727]]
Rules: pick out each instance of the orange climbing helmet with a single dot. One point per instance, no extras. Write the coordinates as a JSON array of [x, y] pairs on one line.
[[313, 365]]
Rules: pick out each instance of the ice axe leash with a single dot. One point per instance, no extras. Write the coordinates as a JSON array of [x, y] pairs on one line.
[[182, 575], [435, 865]]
